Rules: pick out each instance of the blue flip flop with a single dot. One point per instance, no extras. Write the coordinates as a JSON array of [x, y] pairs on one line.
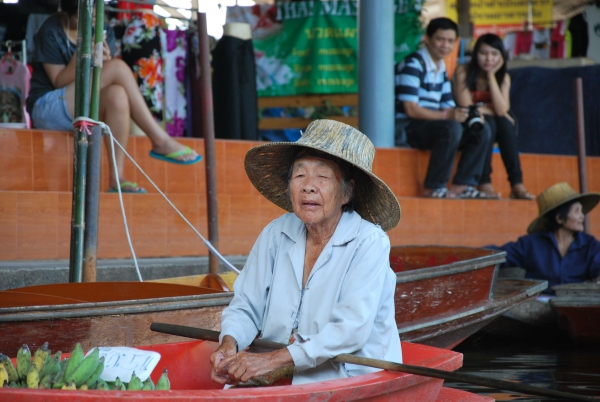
[[130, 191], [172, 157]]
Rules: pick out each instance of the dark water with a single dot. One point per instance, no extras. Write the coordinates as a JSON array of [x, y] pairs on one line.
[[546, 363]]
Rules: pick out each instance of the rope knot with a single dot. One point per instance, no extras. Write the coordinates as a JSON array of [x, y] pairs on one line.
[[84, 124]]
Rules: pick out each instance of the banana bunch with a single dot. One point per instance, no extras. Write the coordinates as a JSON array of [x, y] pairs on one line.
[[46, 371]]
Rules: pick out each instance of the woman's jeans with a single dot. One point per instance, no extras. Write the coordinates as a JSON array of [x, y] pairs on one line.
[[504, 133]]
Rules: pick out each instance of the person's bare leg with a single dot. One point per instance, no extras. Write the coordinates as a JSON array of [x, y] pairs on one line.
[[116, 72], [114, 111]]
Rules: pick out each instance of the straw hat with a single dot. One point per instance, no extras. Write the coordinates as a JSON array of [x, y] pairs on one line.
[[557, 195], [268, 164]]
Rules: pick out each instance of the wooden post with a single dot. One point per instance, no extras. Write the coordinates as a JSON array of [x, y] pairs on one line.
[[208, 130], [580, 127]]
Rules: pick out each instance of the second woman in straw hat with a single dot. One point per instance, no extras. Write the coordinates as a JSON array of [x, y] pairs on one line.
[[318, 278], [556, 248]]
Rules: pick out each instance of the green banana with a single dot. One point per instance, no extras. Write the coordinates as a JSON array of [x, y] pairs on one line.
[[41, 354], [85, 369], [135, 384], [163, 382], [96, 374], [148, 385], [33, 377], [14, 384], [119, 386], [52, 365], [46, 382], [74, 361], [10, 368], [23, 361], [102, 385], [57, 379]]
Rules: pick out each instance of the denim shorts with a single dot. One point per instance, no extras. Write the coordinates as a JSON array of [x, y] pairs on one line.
[[50, 112]]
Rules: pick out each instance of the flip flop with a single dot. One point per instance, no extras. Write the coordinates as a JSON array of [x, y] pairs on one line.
[[129, 190], [441, 193], [172, 157], [472, 193]]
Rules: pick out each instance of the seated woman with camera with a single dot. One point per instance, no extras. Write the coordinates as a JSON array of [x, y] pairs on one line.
[[485, 80]]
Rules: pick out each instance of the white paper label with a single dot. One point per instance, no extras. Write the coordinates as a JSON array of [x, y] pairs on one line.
[[122, 362]]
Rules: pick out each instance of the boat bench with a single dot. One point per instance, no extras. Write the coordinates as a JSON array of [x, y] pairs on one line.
[[304, 101]]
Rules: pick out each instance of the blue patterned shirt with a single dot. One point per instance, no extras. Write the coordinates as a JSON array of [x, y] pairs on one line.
[[432, 92]]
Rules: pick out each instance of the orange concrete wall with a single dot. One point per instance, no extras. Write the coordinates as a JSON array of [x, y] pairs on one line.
[[35, 200]]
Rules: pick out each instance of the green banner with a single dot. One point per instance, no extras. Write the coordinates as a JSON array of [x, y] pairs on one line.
[[315, 48]]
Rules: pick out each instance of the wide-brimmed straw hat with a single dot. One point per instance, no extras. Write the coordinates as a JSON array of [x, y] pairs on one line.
[[268, 164], [557, 195]]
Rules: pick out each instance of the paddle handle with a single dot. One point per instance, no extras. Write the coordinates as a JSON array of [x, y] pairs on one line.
[[209, 335]]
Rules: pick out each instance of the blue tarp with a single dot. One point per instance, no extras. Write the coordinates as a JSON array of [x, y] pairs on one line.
[[543, 100]]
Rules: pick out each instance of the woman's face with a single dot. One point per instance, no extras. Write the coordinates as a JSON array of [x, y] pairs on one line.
[[316, 191], [575, 218], [489, 57]]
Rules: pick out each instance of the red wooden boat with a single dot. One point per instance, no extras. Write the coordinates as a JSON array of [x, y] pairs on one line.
[[577, 306], [189, 372], [443, 295]]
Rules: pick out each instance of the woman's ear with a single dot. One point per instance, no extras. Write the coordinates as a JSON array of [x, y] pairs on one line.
[[558, 219]]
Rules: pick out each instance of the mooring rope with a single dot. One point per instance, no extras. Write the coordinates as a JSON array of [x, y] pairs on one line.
[[84, 123]]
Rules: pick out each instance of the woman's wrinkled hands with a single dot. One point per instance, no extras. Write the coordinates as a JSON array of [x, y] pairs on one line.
[[218, 368], [229, 367]]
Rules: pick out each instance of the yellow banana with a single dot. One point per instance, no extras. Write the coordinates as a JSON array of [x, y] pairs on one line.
[[10, 368], [85, 369], [83, 387], [74, 361], [33, 377], [135, 384], [23, 362], [70, 386], [163, 382], [97, 373], [40, 356], [148, 385], [3, 376]]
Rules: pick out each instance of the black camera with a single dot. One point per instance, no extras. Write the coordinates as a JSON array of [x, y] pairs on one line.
[[474, 121]]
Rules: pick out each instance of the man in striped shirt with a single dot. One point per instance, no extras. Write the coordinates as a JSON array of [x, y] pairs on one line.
[[426, 111]]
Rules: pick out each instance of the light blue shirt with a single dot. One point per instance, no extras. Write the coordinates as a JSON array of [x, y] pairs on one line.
[[348, 302]]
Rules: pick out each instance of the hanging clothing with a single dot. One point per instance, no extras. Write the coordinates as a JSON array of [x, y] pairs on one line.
[[234, 89], [592, 15], [174, 45], [14, 89], [141, 50], [559, 48], [579, 36], [541, 43]]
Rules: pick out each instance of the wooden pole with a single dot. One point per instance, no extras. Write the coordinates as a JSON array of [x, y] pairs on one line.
[[580, 126], [208, 335], [208, 131], [82, 97], [90, 237]]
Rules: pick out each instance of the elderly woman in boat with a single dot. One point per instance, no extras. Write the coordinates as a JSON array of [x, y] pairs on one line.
[[556, 248], [318, 278]]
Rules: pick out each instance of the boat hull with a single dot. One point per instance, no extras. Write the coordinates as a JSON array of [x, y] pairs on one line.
[[437, 305], [189, 372], [577, 307]]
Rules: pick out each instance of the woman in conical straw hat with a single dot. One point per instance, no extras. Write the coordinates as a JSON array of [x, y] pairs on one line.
[[318, 278], [556, 248]]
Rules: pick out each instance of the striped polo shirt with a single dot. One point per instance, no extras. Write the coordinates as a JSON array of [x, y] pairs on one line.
[[433, 92]]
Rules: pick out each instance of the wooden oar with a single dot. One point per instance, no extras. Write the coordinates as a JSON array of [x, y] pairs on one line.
[[209, 335]]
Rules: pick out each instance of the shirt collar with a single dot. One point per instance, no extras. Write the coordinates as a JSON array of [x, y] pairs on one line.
[[580, 240], [430, 64], [345, 232]]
